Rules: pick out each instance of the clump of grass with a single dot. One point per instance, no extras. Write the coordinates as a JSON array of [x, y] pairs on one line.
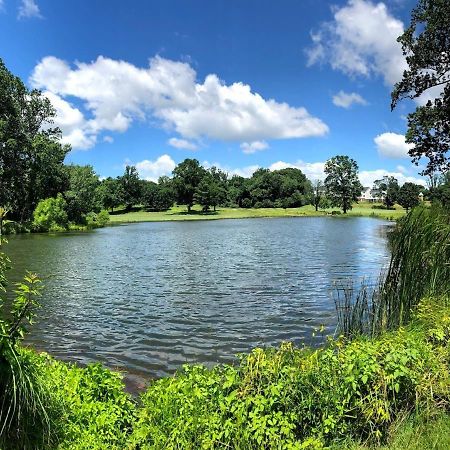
[[419, 267], [25, 397]]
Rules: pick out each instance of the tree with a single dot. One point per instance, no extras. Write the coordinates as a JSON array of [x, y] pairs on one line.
[[31, 155], [110, 193], [82, 195], [408, 195], [386, 189], [186, 178], [238, 191], [210, 192], [426, 46], [318, 193], [131, 187], [342, 184]]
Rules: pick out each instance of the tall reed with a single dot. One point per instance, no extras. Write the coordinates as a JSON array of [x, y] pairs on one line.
[[419, 267]]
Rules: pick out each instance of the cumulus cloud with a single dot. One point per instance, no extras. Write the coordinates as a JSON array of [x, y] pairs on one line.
[[361, 40], [253, 147], [367, 177], [346, 100], [392, 145], [115, 93], [76, 130], [152, 170], [28, 9], [182, 144]]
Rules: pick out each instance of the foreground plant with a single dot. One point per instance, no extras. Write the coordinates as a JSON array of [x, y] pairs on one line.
[[24, 396]]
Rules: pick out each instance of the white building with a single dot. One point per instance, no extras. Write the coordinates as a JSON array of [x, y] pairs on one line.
[[368, 195]]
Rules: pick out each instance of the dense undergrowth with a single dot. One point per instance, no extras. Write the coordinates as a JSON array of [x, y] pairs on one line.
[[281, 398], [354, 392]]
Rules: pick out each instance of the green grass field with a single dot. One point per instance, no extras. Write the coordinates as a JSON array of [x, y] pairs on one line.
[[180, 213]]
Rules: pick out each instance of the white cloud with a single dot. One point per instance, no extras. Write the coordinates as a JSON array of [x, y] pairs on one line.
[[76, 130], [115, 93], [361, 40], [28, 9], [108, 139], [392, 145], [253, 147], [152, 170], [346, 100], [367, 177], [182, 144]]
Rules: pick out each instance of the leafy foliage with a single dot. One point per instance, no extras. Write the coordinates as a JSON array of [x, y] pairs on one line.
[[31, 155], [130, 187], [426, 46], [342, 184], [387, 188], [50, 215], [186, 178], [408, 195]]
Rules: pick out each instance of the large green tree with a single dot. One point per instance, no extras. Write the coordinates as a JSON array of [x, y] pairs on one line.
[[131, 187], [110, 193], [426, 46], [186, 178], [31, 154], [82, 194], [342, 184]]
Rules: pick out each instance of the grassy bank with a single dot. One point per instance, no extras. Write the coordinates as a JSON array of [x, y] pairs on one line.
[[180, 213]]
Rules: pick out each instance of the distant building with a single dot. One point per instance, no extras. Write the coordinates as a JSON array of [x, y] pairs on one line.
[[369, 195]]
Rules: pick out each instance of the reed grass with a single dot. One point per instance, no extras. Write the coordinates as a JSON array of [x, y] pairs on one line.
[[419, 267]]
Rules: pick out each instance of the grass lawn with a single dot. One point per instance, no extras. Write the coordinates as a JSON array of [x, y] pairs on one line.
[[180, 213]]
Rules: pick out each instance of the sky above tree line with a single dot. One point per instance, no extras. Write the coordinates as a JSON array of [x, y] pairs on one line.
[[236, 84]]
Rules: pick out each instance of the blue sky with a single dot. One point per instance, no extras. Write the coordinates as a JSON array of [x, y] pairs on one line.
[[238, 84]]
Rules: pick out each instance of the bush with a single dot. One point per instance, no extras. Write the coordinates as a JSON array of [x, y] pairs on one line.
[[97, 220], [246, 203], [50, 215]]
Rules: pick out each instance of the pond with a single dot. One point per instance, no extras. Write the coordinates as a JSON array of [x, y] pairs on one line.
[[149, 297]]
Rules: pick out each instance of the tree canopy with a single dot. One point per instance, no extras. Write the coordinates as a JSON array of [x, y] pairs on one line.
[[31, 154], [426, 46], [342, 183]]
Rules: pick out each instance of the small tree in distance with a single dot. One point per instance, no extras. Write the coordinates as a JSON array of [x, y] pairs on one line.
[[342, 184], [408, 195], [387, 188]]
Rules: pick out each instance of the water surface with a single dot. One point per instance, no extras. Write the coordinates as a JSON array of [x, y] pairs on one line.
[[149, 297]]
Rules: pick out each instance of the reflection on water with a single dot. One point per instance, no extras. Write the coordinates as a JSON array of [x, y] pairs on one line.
[[149, 297]]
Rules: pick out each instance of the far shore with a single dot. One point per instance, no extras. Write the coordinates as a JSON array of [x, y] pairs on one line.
[[180, 213]]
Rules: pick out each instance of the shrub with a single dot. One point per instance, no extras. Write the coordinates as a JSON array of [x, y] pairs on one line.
[[50, 214], [97, 220]]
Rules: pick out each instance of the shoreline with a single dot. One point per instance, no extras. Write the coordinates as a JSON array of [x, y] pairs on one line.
[[179, 214]]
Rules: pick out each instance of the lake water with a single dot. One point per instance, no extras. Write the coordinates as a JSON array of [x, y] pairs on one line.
[[149, 297]]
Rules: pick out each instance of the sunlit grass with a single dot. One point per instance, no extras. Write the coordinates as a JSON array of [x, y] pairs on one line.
[[180, 213]]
